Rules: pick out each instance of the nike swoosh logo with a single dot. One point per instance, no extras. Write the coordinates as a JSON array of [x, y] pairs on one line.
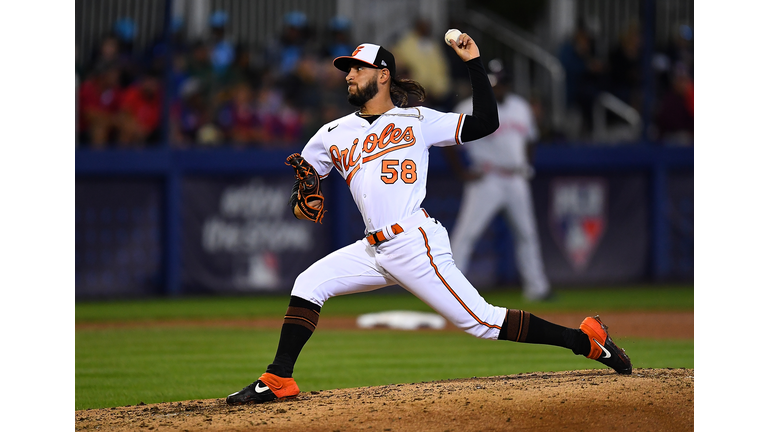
[[332, 128], [258, 389], [607, 353]]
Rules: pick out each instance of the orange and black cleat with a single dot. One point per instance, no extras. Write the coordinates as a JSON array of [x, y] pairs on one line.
[[603, 348], [267, 388]]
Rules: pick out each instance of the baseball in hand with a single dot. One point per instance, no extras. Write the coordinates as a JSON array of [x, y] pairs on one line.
[[452, 35]]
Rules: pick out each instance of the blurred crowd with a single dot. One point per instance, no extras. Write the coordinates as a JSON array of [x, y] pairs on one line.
[[224, 93], [219, 93], [621, 74]]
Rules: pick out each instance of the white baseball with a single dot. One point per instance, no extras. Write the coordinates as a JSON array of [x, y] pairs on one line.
[[452, 35]]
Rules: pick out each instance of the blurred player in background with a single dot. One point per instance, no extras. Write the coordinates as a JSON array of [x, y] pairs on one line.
[[382, 152], [497, 181]]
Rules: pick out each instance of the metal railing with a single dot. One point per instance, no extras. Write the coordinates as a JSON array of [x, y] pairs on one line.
[[527, 49], [605, 102]]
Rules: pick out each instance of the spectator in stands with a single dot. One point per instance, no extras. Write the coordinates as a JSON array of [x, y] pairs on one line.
[[584, 73], [238, 72], [124, 30], [339, 43], [300, 86], [678, 51], [674, 117], [222, 58], [626, 73], [200, 61], [282, 122], [332, 97], [155, 56], [243, 69], [222, 51], [189, 114], [325, 101], [200, 68], [238, 119], [420, 57], [331, 83], [99, 100], [109, 52], [286, 128], [302, 90], [179, 73], [140, 112], [292, 45]]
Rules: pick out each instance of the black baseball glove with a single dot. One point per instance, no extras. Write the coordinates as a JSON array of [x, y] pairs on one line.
[[306, 193]]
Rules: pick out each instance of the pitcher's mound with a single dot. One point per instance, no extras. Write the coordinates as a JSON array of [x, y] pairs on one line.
[[587, 400]]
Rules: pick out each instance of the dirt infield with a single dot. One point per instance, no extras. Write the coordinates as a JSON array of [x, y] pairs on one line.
[[656, 325], [586, 400]]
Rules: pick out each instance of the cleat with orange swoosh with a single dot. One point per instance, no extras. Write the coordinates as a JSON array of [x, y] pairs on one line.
[[267, 388], [604, 349]]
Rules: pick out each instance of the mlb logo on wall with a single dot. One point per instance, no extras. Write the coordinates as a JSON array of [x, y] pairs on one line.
[[577, 216]]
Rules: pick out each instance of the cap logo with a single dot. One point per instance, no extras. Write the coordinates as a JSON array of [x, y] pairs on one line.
[[374, 56]]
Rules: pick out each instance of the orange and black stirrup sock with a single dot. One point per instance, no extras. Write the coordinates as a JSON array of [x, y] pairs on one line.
[[516, 326], [298, 325], [521, 326]]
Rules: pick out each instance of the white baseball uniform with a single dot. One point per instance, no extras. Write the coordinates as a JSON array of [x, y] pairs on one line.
[[501, 159], [384, 160], [385, 165]]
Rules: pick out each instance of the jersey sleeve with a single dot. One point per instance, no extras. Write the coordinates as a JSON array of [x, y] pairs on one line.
[[315, 153], [441, 129]]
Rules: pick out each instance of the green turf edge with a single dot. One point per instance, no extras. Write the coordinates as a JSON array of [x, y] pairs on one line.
[[652, 297], [117, 367]]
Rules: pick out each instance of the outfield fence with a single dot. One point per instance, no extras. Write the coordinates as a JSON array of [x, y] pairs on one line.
[[180, 222]]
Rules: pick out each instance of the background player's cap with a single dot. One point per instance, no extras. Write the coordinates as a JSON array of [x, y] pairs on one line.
[[371, 54], [498, 73]]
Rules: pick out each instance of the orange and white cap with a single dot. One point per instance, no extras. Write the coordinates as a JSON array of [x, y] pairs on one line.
[[370, 54]]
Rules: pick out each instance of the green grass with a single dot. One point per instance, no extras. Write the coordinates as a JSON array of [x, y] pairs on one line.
[[124, 366], [601, 300]]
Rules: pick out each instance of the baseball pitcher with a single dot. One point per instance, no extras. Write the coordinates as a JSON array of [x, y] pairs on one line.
[[382, 152]]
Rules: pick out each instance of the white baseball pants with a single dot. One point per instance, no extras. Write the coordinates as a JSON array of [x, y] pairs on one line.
[[419, 260]]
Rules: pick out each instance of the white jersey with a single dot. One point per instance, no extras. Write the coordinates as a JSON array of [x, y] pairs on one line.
[[385, 166], [384, 163], [504, 148]]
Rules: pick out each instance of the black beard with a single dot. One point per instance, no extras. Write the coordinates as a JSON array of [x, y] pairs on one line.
[[367, 92]]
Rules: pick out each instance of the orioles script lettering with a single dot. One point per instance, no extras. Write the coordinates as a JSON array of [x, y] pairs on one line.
[[373, 146]]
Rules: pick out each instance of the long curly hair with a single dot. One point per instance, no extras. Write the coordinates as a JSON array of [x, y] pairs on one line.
[[401, 89]]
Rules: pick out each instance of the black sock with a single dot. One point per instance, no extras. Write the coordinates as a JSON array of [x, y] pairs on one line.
[[299, 324], [521, 326]]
